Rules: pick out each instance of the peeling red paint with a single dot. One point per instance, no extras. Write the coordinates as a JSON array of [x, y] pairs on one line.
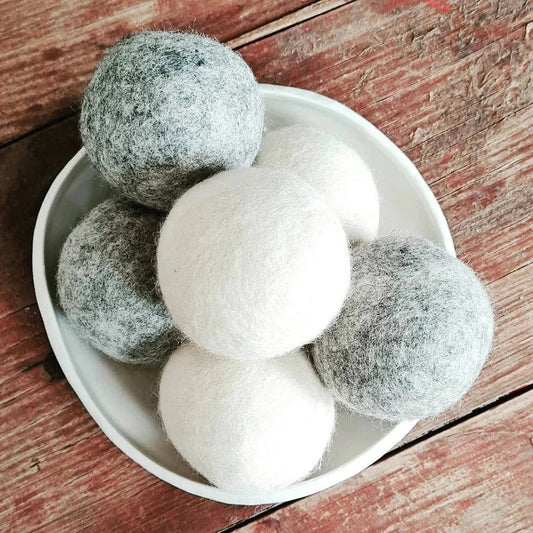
[[441, 6]]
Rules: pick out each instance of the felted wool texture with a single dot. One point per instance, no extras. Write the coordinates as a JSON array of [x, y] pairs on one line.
[[252, 263], [107, 284], [337, 172], [413, 334], [246, 426], [164, 110]]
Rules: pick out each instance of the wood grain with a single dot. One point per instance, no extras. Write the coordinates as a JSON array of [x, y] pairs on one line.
[[467, 69], [306, 13], [452, 87], [27, 169], [477, 476], [49, 48]]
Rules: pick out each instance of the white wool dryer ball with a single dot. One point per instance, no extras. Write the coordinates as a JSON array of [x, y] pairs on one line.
[[252, 263], [246, 426], [333, 168]]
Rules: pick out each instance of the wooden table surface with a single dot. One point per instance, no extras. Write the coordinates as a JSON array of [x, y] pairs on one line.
[[450, 82]]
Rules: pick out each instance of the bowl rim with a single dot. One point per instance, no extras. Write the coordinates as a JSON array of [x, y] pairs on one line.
[[299, 489]]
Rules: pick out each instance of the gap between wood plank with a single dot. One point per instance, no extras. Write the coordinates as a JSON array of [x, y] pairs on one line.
[[15, 311], [506, 164], [462, 139], [476, 412], [285, 22], [26, 339], [39, 129], [513, 271], [477, 103], [288, 21]]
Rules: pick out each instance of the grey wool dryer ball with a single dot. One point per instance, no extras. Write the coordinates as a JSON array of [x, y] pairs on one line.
[[413, 334], [165, 110], [107, 285]]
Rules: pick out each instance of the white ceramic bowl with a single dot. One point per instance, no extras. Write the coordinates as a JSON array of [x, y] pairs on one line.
[[122, 399]]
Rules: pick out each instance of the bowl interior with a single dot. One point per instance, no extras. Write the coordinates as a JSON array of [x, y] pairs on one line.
[[123, 399]]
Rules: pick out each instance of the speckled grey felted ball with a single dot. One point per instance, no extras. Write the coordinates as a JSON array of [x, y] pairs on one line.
[[107, 285], [165, 110], [413, 334]]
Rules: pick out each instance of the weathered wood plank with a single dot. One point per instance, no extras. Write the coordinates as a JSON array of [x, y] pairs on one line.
[[15, 327], [17, 362], [466, 70], [311, 11], [27, 169], [476, 476], [468, 159], [50, 48]]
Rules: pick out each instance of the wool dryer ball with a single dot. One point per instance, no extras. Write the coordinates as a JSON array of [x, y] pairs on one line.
[[413, 334], [252, 263], [336, 171], [246, 426], [107, 285], [165, 110]]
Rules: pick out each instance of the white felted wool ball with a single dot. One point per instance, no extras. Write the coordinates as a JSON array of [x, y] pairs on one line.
[[252, 263], [336, 171], [107, 284], [413, 334], [165, 110], [246, 425]]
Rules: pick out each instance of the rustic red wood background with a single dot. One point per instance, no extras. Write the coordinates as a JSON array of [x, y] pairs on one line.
[[450, 82]]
